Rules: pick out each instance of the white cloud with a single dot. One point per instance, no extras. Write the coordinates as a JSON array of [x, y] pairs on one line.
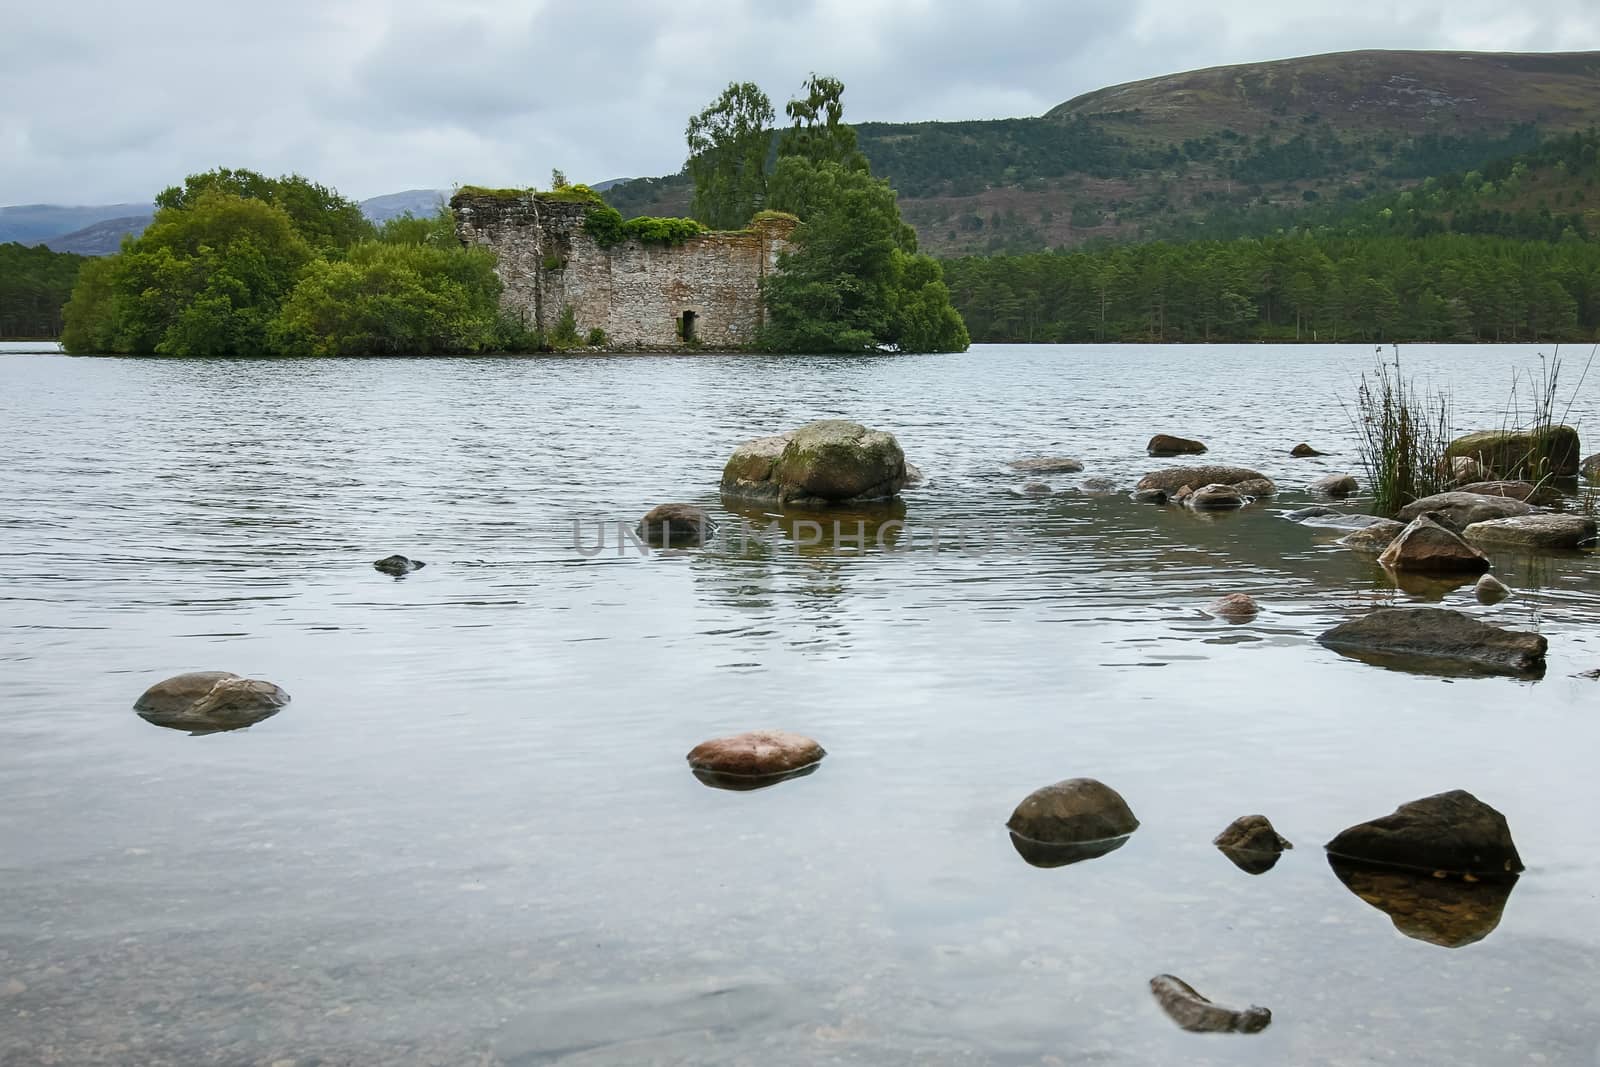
[[110, 101]]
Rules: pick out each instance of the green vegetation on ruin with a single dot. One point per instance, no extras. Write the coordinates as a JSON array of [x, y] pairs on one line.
[[607, 226]]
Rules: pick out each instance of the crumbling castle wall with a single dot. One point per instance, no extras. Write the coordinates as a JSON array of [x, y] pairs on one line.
[[642, 295]]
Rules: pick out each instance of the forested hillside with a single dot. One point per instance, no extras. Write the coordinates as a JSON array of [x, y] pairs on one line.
[[1235, 148]]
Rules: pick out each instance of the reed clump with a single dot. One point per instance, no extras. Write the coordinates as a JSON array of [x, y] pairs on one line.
[[1403, 432]]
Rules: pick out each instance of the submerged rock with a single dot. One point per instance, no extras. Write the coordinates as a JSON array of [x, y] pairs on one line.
[[1514, 453], [1447, 833], [1098, 485], [1589, 469], [1235, 607], [830, 463], [1072, 820], [206, 702], [1195, 1013], [1374, 537], [1451, 912], [914, 475], [1540, 495], [398, 566], [1335, 485], [1427, 547], [1437, 639], [1552, 532], [1047, 465], [1215, 498], [1166, 445], [675, 524], [1491, 590], [755, 759], [1303, 451], [1316, 511], [1150, 496], [1460, 510], [1170, 480], [1036, 489]]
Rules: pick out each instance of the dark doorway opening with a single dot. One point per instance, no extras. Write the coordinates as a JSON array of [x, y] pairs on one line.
[[686, 327]]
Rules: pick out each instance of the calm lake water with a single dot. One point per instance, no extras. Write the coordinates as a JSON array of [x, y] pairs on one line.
[[472, 837]]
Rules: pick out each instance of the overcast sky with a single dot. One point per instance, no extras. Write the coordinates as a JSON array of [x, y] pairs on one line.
[[110, 100]]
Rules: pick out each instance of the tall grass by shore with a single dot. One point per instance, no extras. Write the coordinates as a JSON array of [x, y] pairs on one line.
[[1403, 431]]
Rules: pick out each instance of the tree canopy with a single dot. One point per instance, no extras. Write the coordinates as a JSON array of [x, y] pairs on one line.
[[728, 146], [236, 264]]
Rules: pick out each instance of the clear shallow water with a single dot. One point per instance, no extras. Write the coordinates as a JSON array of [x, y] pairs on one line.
[[471, 838]]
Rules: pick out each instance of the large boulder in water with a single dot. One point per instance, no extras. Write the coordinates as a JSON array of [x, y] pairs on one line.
[[1518, 453], [1437, 638], [1454, 833], [1073, 820], [830, 463], [1553, 532], [1460, 510], [205, 702], [1170, 480], [1163, 444], [1427, 547]]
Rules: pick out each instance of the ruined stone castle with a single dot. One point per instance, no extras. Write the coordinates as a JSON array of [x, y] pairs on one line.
[[704, 292]]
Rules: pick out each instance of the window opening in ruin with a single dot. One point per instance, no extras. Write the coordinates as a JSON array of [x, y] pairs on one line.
[[686, 327]]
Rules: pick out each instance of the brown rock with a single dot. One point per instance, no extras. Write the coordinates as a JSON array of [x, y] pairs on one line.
[[1235, 607], [1589, 469], [1197, 1014], [1335, 485], [1549, 532], [1460, 510], [1430, 548], [1303, 451], [205, 702], [1437, 639], [1251, 833], [398, 566], [1036, 489], [1047, 465], [1453, 832], [1215, 498], [1166, 445], [675, 524], [759, 754], [1541, 495], [1464, 470], [1491, 590], [1374, 537], [1074, 811], [1170, 479]]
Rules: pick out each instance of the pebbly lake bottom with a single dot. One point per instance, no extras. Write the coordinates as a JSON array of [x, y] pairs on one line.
[[472, 838]]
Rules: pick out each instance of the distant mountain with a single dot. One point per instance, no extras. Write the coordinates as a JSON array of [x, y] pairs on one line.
[[420, 202], [601, 187], [32, 224], [1221, 151], [100, 239]]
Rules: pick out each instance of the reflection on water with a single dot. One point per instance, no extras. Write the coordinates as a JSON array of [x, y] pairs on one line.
[[1442, 911], [473, 841], [1060, 854], [746, 782]]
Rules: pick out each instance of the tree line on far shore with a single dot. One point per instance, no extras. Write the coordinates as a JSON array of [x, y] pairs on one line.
[[1447, 287], [34, 284]]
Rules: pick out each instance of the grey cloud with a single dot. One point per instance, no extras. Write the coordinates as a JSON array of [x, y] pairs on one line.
[[112, 101]]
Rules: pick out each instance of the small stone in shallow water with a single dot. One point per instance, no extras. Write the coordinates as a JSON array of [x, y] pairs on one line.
[[754, 759], [1303, 450], [1047, 465], [1215, 498], [1235, 607], [1036, 489], [1251, 833], [1428, 547], [1335, 485], [205, 702], [1073, 811], [1491, 590], [1167, 445], [398, 566], [1197, 1014], [675, 524]]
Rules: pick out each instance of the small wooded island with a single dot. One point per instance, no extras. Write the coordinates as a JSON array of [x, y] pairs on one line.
[[815, 259]]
